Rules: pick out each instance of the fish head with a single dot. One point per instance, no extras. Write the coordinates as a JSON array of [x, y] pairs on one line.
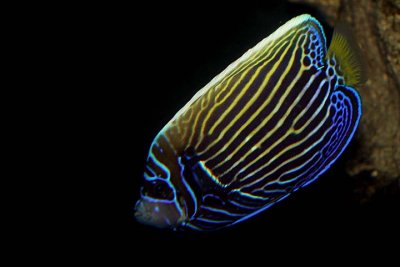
[[159, 205]]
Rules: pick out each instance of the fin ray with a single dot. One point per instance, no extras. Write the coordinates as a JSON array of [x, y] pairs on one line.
[[346, 51]]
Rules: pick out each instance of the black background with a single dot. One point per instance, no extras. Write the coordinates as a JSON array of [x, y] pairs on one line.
[[144, 63]]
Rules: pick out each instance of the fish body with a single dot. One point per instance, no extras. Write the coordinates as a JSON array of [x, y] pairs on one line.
[[271, 123]]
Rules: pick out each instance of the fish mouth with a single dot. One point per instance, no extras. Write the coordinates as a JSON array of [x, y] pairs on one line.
[[138, 214], [139, 211]]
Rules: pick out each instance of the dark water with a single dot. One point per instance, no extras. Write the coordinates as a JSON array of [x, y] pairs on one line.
[[161, 60]]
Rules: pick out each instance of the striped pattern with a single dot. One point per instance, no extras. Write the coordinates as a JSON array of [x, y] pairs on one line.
[[271, 123]]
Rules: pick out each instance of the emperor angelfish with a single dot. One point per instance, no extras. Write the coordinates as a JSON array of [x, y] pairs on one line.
[[272, 122]]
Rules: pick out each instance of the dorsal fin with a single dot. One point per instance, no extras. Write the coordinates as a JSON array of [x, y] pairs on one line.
[[347, 53]]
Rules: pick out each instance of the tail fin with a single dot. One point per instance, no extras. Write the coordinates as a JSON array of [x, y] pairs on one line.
[[348, 56]]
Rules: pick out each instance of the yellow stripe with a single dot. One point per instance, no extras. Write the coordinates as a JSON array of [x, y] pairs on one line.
[[259, 110], [290, 131], [246, 66], [291, 146], [251, 101], [298, 155]]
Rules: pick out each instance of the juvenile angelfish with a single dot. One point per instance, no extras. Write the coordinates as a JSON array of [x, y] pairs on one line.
[[272, 122]]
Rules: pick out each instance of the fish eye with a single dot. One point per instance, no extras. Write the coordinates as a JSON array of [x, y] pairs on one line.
[[159, 190]]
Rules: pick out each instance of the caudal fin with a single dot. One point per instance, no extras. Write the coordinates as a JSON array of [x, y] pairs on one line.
[[348, 56]]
